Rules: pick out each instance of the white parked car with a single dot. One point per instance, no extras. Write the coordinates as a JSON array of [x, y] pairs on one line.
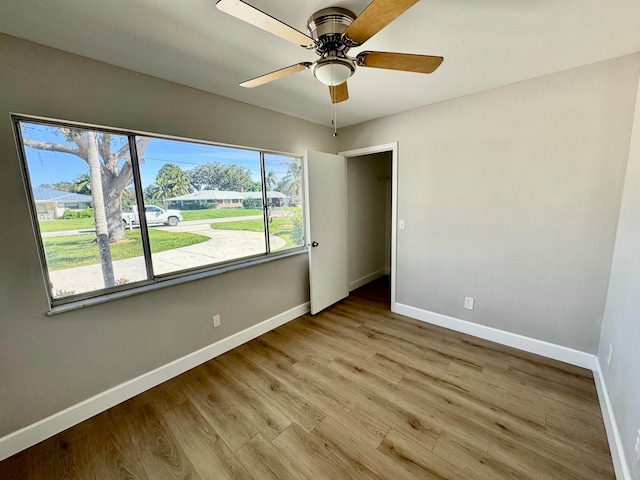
[[154, 215]]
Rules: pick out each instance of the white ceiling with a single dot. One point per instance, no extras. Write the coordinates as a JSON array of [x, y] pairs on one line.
[[485, 43]]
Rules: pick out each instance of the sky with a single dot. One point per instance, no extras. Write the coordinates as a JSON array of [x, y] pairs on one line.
[[52, 167]]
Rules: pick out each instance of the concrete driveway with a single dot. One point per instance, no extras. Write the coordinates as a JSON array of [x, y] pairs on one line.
[[223, 245]]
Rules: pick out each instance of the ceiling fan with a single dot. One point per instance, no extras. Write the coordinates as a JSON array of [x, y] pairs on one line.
[[332, 32]]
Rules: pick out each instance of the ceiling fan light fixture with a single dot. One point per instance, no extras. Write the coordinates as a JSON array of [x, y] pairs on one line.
[[333, 71]]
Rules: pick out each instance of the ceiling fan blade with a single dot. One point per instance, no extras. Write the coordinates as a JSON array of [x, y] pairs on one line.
[[375, 17], [258, 18], [339, 93], [399, 61], [278, 74]]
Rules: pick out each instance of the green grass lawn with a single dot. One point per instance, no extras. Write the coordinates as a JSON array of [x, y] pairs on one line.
[[283, 227], [62, 224], [212, 213], [78, 250]]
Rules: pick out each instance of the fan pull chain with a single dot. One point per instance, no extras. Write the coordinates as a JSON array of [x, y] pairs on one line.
[[334, 120]]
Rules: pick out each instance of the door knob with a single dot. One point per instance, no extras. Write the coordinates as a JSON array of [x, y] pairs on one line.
[[314, 244]]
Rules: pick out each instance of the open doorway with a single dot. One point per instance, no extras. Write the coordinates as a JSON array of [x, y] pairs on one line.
[[371, 219]]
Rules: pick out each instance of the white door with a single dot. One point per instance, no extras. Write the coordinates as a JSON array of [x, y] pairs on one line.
[[327, 228]]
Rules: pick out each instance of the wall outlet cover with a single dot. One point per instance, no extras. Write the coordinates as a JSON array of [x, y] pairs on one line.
[[468, 303]]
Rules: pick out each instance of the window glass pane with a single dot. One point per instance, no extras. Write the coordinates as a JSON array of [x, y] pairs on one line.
[[81, 180], [205, 194], [284, 197]]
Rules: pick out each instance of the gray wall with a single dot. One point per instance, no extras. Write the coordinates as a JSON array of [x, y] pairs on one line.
[[50, 363], [369, 187], [621, 323], [511, 196]]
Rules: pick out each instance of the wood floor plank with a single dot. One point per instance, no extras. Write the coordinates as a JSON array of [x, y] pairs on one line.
[[66, 456], [210, 455], [343, 407], [331, 337], [321, 340], [231, 424], [476, 464], [295, 406], [257, 409], [266, 462], [164, 397], [394, 415], [438, 417], [113, 452], [292, 342], [439, 352], [592, 434], [582, 389], [500, 391], [355, 391], [552, 398], [352, 447], [423, 463], [530, 462], [410, 355], [317, 459], [160, 452], [505, 354], [16, 468]]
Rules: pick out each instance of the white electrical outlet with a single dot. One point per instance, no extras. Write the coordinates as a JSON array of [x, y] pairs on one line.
[[468, 303], [216, 321], [638, 446], [609, 356], [401, 224]]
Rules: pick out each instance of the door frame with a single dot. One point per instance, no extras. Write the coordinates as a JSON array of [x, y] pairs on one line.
[[393, 148]]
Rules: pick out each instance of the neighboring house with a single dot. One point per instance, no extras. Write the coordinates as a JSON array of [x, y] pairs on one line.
[[224, 199], [275, 199], [51, 203], [227, 199]]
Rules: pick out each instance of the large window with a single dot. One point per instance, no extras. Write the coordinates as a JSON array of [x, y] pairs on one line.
[[116, 211]]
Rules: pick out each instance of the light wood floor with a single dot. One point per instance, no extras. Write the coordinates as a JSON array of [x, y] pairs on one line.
[[355, 392]]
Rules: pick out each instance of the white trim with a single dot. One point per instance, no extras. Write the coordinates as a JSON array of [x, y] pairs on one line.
[[56, 423], [532, 345], [393, 148], [611, 426], [366, 279]]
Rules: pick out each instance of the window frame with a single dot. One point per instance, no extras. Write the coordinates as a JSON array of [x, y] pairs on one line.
[[153, 281]]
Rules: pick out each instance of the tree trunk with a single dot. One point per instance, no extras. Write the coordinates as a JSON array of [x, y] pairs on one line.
[[114, 181], [102, 232], [113, 211]]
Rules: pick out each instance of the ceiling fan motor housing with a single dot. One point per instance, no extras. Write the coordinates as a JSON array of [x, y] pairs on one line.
[[326, 27]]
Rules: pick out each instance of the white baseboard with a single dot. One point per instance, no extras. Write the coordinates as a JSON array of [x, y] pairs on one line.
[[532, 345], [366, 279], [58, 422], [611, 426]]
